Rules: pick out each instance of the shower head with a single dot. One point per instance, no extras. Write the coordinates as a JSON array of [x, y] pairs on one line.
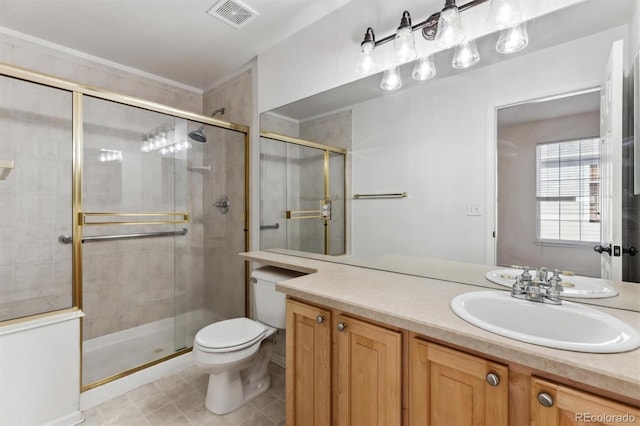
[[198, 135]]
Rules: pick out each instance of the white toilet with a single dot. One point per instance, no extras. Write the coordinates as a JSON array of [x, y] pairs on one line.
[[236, 352]]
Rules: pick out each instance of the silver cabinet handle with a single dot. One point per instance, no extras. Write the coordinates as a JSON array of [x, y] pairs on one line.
[[493, 379], [545, 399], [341, 326], [320, 319]]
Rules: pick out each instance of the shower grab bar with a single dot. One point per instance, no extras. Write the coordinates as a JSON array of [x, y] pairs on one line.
[[5, 168], [276, 226], [67, 239], [389, 195]]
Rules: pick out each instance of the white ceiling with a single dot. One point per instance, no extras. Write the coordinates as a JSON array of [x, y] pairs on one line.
[[173, 39]]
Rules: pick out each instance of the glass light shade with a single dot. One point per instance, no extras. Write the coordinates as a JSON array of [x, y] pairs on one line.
[[391, 79], [450, 32], [404, 46], [424, 69], [513, 39], [503, 14], [366, 63], [466, 55]]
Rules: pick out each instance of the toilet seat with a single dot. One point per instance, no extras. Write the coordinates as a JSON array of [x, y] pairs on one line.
[[230, 335]]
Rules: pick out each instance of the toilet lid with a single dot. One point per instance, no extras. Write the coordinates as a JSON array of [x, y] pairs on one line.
[[230, 333]]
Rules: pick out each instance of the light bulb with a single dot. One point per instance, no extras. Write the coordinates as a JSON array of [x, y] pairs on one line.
[[366, 62], [404, 46], [450, 32], [391, 79], [424, 69], [503, 14], [465, 55], [513, 39]]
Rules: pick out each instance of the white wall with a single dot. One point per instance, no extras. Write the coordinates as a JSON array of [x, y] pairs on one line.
[[40, 373], [431, 141], [323, 55]]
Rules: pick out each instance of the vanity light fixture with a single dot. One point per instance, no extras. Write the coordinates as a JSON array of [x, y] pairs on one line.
[[445, 28], [450, 32], [513, 39], [366, 62], [466, 55], [391, 79], [404, 45], [424, 69], [503, 14]]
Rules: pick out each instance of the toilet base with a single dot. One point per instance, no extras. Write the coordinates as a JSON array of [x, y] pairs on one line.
[[228, 391]]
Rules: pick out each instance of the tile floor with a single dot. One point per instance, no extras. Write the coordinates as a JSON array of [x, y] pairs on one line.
[[179, 400]]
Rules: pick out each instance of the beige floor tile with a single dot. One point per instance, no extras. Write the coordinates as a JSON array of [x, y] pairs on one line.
[[179, 400]]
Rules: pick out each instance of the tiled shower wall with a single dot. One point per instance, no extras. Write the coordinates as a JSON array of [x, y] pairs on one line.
[[224, 235], [35, 199]]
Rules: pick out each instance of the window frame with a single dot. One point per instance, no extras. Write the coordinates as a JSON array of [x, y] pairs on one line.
[[562, 242]]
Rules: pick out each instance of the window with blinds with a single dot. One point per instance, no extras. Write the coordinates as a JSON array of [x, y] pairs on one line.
[[568, 190]]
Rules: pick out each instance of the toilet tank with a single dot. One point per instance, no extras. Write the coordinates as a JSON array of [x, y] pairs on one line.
[[270, 304]]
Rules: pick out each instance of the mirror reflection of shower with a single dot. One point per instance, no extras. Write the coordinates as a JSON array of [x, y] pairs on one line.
[[198, 135]]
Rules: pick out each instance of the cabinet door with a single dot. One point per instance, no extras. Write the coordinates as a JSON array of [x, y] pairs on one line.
[[369, 375], [447, 387], [555, 405], [308, 387]]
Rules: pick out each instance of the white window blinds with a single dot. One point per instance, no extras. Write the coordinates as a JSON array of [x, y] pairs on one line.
[[568, 190]]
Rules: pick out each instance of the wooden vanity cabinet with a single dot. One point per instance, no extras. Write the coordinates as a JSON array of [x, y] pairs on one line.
[[347, 371], [366, 362], [448, 387], [369, 373], [553, 404], [308, 372]]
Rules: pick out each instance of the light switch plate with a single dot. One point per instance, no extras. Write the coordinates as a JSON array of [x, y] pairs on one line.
[[474, 209]]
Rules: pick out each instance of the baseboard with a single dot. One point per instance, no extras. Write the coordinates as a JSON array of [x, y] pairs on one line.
[[74, 418], [279, 359]]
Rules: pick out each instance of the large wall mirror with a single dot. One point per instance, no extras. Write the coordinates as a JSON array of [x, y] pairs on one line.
[[472, 149]]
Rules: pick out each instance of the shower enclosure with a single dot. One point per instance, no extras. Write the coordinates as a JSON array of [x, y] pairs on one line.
[[110, 206], [302, 195]]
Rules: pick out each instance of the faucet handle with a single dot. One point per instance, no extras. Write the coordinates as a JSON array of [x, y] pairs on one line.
[[555, 288], [518, 287], [526, 276]]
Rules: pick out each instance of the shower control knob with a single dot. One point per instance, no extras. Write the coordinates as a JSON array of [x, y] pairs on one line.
[[341, 326], [320, 319], [493, 379]]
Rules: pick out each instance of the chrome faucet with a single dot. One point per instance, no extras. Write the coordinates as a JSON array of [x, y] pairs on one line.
[[542, 289]]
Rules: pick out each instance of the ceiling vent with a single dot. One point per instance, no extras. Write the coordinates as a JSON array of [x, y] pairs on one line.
[[232, 12]]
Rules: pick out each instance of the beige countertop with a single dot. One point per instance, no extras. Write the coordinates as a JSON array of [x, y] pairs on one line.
[[421, 305]]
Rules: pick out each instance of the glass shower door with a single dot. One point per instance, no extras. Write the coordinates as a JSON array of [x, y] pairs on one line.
[[307, 211], [302, 196], [135, 225]]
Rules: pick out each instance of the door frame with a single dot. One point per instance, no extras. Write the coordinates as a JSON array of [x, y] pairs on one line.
[[491, 151]]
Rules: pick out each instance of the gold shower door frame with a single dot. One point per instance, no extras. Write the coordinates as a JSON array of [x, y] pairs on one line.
[[316, 214], [78, 91]]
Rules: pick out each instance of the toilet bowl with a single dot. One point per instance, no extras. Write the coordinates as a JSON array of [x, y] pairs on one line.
[[236, 352]]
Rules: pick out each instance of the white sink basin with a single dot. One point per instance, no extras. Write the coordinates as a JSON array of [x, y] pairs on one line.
[[574, 286], [569, 326]]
